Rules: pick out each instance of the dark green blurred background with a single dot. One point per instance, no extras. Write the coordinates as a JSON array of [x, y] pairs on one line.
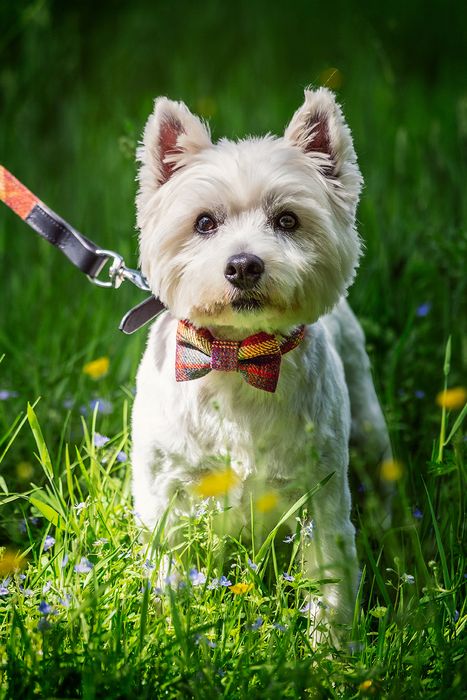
[[77, 82]]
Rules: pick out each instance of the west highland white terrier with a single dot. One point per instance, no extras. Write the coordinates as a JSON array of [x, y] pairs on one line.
[[252, 246]]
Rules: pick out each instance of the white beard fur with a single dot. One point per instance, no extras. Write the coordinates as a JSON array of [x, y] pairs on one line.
[[178, 428]]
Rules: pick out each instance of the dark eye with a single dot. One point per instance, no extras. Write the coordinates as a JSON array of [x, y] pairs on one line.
[[205, 223], [287, 221]]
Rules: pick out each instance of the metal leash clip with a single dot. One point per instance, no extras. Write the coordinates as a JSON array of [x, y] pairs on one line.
[[118, 272]]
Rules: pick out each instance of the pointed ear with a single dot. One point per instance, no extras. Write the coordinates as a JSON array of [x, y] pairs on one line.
[[172, 133], [319, 129]]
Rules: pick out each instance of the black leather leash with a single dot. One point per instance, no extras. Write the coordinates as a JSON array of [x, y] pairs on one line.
[[79, 250]]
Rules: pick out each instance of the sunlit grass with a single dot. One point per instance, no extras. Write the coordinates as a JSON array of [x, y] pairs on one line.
[[85, 609]]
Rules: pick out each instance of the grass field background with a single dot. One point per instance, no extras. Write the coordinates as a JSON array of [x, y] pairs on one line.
[[76, 86]]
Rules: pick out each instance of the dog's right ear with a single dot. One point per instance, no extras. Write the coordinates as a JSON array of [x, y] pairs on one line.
[[171, 135]]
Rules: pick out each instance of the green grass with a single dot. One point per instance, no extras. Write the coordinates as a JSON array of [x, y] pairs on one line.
[[113, 629], [76, 86]]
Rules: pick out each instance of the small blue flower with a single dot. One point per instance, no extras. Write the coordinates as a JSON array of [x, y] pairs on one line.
[[219, 582], [252, 565], [6, 394], [68, 404], [201, 638], [44, 608], [149, 565], [423, 310], [197, 578], [84, 566], [419, 394], [408, 578], [290, 538], [456, 615], [27, 592], [288, 577], [122, 456], [64, 561], [4, 590], [279, 627], [171, 580], [202, 508], [417, 513], [46, 587], [257, 624], [66, 600], [100, 440], [308, 530], [48, 542], [101, 405]]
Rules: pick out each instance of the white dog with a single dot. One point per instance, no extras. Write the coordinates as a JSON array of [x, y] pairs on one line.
[[255, 241]]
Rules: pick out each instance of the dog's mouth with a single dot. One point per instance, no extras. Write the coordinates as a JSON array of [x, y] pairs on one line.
[[247, 304]]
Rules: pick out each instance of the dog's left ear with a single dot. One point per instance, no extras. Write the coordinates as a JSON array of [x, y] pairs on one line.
[[171, 136], [319, 129]]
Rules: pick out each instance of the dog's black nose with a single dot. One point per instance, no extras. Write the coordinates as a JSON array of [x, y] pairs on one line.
[[244, 270]]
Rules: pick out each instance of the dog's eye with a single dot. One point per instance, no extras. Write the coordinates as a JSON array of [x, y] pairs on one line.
[[286, 221], [205, 224]]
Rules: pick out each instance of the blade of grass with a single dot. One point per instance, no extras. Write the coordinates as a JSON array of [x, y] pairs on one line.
[[292, 510], [439, 541]]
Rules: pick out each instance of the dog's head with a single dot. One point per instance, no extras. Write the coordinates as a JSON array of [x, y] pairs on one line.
[[252, 235]]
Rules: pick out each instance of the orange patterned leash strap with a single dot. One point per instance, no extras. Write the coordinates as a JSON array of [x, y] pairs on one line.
[[82, 252], [16, 195]]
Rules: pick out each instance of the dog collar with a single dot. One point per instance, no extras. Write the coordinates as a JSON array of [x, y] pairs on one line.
[[257, 358]]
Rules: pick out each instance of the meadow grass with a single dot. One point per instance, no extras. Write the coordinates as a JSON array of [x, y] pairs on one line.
[[86, 614], [76, 85]]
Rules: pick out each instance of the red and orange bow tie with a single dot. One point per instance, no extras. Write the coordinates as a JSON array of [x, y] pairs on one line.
[[257, 358]]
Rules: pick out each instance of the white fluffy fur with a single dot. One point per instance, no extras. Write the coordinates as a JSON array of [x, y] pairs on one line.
[[179, 427]]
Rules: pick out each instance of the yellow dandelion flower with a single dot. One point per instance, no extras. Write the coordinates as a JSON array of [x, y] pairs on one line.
[[11, 561], [367, 687], [331, 78], [24, 470], [216, 483], [452, 398], [241, 588], [391, 470], [97, 368], [268, 501]]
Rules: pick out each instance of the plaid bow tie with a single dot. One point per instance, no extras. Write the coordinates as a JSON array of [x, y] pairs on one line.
[[257, 358]]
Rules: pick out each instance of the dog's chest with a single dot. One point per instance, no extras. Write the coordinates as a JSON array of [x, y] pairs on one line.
[[259, 432], [195, 424]]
